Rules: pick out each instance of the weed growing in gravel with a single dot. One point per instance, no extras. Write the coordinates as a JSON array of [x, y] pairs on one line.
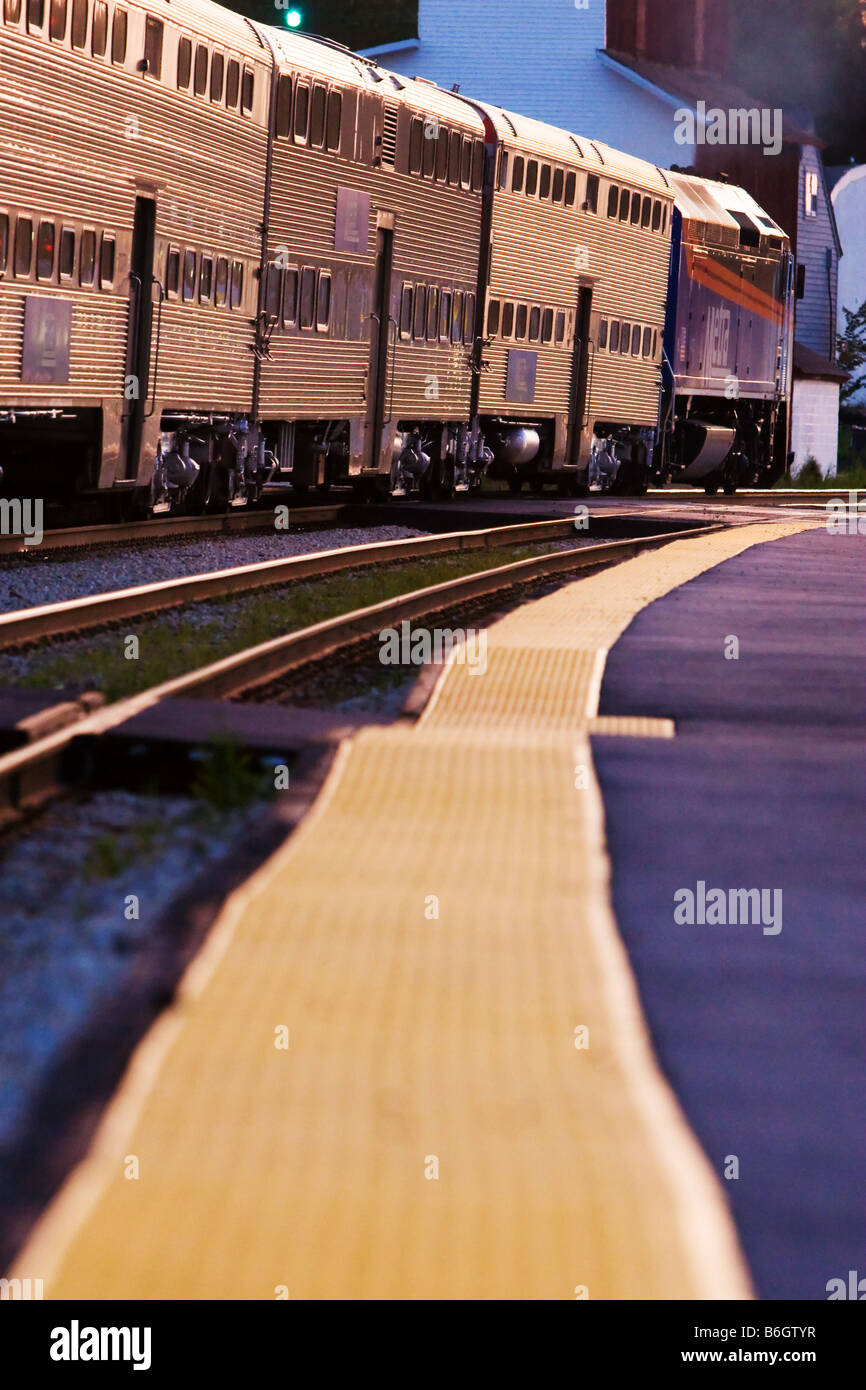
[[228, 778]]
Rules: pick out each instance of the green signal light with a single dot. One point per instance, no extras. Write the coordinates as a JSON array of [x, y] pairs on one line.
[[294, 18]]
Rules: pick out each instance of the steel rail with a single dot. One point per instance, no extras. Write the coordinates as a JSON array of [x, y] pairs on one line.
[[30, 775]]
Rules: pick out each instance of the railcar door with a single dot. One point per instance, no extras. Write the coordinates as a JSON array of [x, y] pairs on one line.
[[140, 330], [378, 388], [579, 374]]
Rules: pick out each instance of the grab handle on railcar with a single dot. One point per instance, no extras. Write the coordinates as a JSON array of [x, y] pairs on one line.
[[158, 284], [394, 337], [135, 323], [591, 373]]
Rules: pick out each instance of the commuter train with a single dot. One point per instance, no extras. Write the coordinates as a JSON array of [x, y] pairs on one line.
[[231, 254]]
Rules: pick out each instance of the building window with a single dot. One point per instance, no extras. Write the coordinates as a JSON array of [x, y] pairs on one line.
[[79, 23], [118, 37], [184, 62], [199, 81], [45, 251], [153, 31], [308, 297], [106, 262], [811, 207], [189, 275], [23, 245], [591, 204]]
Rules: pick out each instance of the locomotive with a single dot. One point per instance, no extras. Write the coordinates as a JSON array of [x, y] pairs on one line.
[[231, 254]]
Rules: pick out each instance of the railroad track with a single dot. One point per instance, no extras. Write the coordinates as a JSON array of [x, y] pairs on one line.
[[32, 774], [359, 513]]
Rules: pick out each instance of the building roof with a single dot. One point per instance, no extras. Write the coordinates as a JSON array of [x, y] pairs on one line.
[[811, 364], [691, 85]]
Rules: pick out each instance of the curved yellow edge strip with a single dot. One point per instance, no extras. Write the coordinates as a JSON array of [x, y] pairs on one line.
[[468, 1105]]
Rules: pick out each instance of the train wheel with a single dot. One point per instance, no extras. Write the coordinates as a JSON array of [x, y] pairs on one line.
[[711, 489]]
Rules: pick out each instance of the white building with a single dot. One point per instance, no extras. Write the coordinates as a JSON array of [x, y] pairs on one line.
[[848, 196]]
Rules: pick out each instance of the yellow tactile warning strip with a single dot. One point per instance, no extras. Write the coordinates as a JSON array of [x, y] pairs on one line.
[[410, 1061]]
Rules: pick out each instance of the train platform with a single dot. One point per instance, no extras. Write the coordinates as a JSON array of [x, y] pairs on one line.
[[430, 1074]]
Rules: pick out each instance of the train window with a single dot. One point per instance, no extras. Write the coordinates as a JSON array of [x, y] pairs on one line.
[[430, 143], [118, 36], [4, 241], [444, 315], [468, 318], [477, 165], [99, 29], [106, 262], [247, 90], [570, 188], [614, 336], [558, 184], [655, 343], [624, 338], [323, 301], [503, 169], [442, 147], [457, 316], [184, 62], [517, 174], [318, 115], [335, 121], [273, 291], [57, 20], [420, 319], [221, 282], [646, 212], [544, 185], [233, 82], [172, 271], [153, 32], [560, 326], [189, 275], [635, 208], [406, 312], [635, 340], [591, 201], [217, 72], [534, 324], [199, 79], [416, 145], [466, 163], [35, 14], [647, 342], [283, 124], [45, 251], [308, 297], [657, 215], [612, 200], [12, 12], [624, 205], [78, 32], [302, 112], [507, 320], [433, 314], [454, 154], [237, 286], [532, 178], [521, 321], [664, 218], [493, 318], [547, 326], [290, 297], [602, 333], [205, 280], [23, 245]]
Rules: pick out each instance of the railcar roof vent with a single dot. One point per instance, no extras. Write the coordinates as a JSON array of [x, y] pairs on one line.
[[597, 150], [508, 121], [389, 135], [576, 145]]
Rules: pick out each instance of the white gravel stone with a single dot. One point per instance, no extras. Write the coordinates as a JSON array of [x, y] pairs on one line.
[[33, 578]]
